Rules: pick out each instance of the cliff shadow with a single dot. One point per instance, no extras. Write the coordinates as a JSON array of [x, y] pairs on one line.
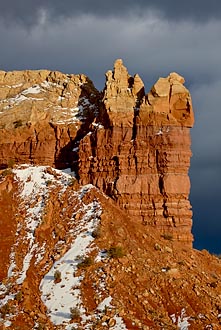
[[89, 110]]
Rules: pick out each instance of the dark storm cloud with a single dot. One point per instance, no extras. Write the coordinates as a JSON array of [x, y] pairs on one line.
[[29, 12], [150, 46], [206, 165]]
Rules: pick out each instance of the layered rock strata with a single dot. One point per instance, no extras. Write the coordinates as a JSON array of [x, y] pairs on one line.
[[42, 116], [142, 155], [133, 146]]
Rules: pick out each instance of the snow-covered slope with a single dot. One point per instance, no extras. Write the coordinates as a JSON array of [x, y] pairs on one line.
[[69, 241], [71, 259]]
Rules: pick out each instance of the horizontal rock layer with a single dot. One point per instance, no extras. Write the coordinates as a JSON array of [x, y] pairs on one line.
[[142, 155], [133, 146], [42, 115]]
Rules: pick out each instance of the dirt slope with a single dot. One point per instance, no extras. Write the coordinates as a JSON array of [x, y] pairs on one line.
[[115, 273]]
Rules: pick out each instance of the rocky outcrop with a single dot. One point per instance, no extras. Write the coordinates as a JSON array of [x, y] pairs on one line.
[[142, 155], [133, 146], [74, 257], [112, 274], [42, 115]]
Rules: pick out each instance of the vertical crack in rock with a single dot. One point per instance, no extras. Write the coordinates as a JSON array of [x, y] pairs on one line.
[[132, 146], [149, 136]]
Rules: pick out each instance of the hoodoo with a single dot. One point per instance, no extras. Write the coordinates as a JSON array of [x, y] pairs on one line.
[[141, 155], [133, 146]]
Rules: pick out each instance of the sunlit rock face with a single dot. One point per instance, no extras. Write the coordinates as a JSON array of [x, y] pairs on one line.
[[96, 225], [42, 115], [133, 146], [141, 155]]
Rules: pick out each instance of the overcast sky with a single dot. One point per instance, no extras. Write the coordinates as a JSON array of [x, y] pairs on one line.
[[153, 38]]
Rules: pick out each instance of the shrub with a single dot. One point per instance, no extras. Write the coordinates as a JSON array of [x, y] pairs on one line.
[[11, 163], [115, 252], [18, 296], [157, 247], [86, 262], [97, 232], [167, 236], [48, 182], [75, 313], [5, 309], [213, 284], [17, 123], [57, 276], [6, 172], [71, 182]]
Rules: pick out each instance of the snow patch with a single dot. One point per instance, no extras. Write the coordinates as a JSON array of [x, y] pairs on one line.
[[35, 89], [7, 324], [181, 320], [104, 304], [160, 132], [60, 297], [34, 188]]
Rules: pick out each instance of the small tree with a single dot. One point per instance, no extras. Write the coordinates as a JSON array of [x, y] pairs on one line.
[[17, 123], [19, 296], [57, 276], [11, 163]]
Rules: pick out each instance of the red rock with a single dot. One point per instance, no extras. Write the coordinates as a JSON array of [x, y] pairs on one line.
[[142, 158]]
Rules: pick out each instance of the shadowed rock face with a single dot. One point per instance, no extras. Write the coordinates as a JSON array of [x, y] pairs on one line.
[[132, 146], [42, 115]]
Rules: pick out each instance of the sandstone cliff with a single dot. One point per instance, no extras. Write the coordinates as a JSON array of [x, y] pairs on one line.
[[132, 146], [42, 113], [109, 248], [142, 155]]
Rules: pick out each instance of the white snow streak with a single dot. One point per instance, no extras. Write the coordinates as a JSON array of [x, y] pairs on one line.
[[181, 320], [60, 297], [33, 190]]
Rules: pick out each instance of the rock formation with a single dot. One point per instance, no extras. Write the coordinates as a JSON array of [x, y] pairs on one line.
[[142, 155], [116, 254], [41, 114], [132, 146], [56, 239]]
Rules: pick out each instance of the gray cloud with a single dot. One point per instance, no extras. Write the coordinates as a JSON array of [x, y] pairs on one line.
[[206, 165], [29, 12], [149, 45]]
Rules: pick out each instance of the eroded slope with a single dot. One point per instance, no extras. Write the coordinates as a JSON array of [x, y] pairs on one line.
[[112, 274]]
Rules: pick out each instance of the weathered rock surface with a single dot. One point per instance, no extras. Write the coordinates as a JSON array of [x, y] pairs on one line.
[[154, 284], [142, 155], [132, 146], [41, 115], [126, 262]]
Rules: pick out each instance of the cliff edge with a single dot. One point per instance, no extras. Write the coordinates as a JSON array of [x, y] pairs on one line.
[[135, 147]]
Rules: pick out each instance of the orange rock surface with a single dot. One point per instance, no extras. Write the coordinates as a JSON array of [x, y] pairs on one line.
[[141, 156], [138, 270], [42, 113], [156, 283], [132, 146]]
